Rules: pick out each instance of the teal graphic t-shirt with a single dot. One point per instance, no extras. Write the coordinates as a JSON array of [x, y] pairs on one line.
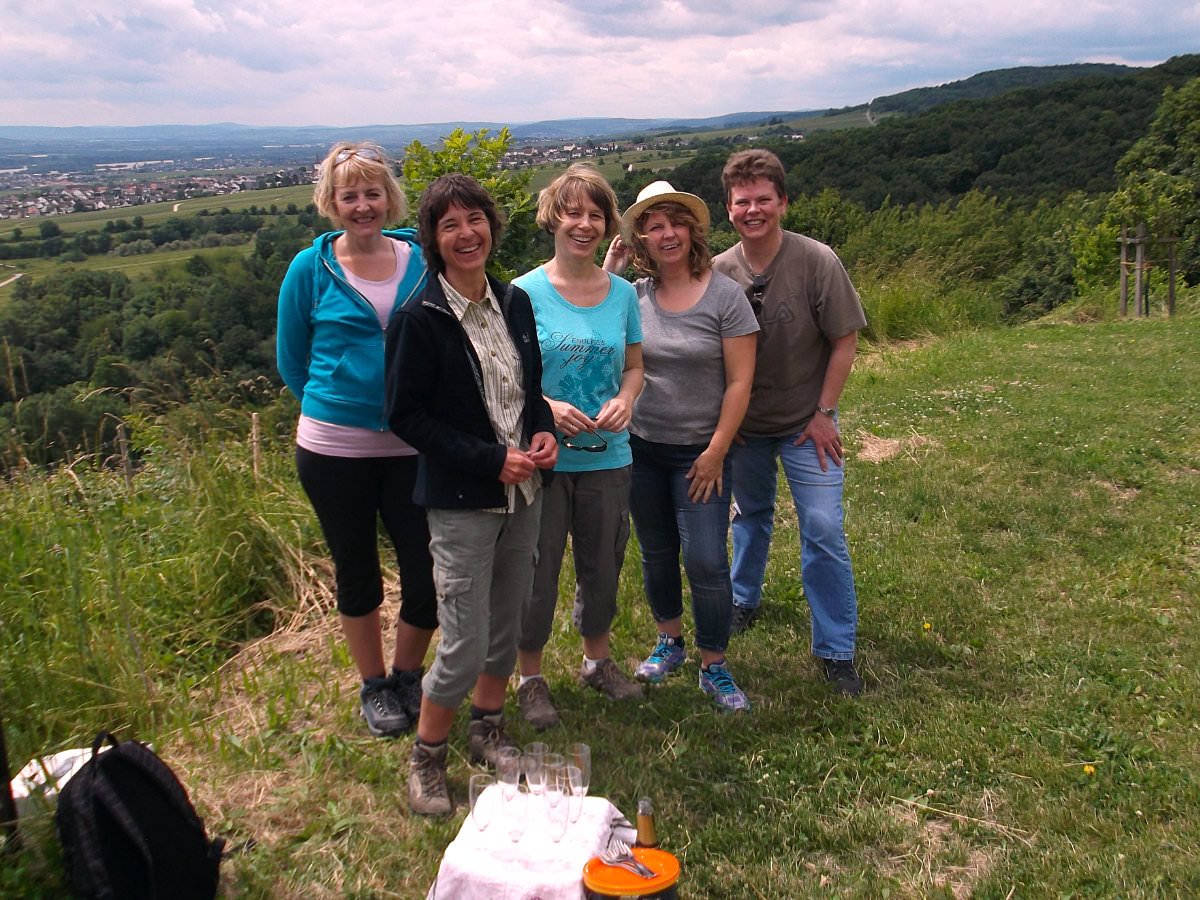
[[583, 356]]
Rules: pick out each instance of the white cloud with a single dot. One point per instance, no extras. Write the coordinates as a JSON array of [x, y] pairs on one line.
[[308, 62]]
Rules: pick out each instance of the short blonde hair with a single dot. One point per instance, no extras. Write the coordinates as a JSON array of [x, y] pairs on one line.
[[349, 161], [580, 179], [699, 256]]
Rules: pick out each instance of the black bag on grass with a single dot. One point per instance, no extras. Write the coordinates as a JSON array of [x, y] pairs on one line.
[[129, 832]]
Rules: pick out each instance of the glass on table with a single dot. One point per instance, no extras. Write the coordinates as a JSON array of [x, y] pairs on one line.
[[533, 761], [516, 813], [508, 769], [575, 791], [579, 759], [557, 802], [482, 807]]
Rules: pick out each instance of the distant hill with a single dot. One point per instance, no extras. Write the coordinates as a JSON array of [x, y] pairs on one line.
[[989, 84]]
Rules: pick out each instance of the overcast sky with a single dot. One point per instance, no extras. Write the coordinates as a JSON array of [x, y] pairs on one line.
[[352, 62]]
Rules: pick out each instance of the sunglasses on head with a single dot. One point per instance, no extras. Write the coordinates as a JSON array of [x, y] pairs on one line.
[[365, 152]]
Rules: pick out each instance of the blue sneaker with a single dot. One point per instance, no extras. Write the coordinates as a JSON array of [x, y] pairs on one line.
[[665, 659], [718, 684]]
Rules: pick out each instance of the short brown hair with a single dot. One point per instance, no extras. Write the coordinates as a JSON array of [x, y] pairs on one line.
[[699, 257], [349, 161], [444, 192], [747, 165], [580, 179]]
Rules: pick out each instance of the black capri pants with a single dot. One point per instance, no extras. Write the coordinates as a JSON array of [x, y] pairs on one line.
[[350, 495]]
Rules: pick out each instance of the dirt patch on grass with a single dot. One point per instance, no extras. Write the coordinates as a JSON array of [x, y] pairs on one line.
[[875, 449]]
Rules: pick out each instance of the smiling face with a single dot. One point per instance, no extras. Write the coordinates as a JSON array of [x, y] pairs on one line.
[[667, 242], [755, 209], [464, 240], [581, 226], [361, 206]]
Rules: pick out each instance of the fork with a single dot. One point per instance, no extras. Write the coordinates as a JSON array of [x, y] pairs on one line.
[[620, 854]]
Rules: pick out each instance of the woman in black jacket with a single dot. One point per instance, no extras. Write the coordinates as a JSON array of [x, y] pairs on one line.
[[464, 387]]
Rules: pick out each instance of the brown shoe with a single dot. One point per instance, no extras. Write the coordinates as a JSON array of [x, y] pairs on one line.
[[486, 737], [536, 707], [427, 791], [610, 681]]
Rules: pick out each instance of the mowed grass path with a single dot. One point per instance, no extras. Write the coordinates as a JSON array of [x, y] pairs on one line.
[[1023, 507]]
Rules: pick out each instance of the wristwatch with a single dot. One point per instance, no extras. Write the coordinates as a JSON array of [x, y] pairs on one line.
[[830, 411]]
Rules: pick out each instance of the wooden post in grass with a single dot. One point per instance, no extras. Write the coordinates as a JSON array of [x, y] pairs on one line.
[[8, 809], [1171, 242], [1138, 277], [126, 465], [1124, 242], [254, 444]]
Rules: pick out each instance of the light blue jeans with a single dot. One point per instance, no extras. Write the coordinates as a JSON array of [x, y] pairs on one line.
[[824, 557]]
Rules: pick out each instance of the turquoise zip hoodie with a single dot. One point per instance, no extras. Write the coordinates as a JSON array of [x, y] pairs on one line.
[[329, 345]]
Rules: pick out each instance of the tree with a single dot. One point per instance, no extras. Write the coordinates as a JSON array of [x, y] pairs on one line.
[[479, 156], [1160, 176]]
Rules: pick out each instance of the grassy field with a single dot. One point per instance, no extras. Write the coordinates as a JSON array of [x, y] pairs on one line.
[[1023, 507]]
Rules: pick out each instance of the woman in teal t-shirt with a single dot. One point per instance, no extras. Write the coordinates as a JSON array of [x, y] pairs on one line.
[[590, 334]]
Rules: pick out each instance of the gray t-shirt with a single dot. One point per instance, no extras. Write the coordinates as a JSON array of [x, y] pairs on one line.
[[809, 301], [685, 363]]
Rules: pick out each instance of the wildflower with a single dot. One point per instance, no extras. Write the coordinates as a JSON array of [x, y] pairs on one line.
[[1089, 769], [927, 626]]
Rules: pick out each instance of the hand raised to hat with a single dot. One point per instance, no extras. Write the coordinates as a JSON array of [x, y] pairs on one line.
[[618, 256]]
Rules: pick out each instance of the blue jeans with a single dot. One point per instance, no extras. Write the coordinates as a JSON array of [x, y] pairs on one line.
[[668, 523], [824, 558]]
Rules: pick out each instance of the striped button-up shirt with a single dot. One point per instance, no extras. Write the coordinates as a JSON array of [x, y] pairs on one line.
[[500, 367]]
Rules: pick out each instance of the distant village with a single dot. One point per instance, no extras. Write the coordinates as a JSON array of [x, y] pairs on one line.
[[56, 193]]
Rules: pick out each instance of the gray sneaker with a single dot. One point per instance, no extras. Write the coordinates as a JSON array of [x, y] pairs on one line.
[[610, 681], [381, 708], [486, 737], [536, 707], [427, 791]]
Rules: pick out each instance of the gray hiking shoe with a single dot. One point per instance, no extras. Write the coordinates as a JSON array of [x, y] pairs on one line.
[[843, 676], [381, 708], [610, 681], [427, 791], [536, 707], [407, 687], [486, 737]]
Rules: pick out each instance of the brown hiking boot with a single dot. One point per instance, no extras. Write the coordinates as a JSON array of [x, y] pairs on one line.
[[536, 707], [610, 681], [427, 791], [486, 737]]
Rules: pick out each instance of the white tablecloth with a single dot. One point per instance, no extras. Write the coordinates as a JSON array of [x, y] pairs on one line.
[[486, 865]]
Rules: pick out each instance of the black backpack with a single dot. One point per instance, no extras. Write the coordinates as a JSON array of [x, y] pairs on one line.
[[129, 832]]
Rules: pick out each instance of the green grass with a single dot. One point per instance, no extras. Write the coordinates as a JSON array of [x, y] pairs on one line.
[[1023, 507]]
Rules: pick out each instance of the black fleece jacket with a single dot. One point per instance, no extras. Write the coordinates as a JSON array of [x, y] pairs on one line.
[[434, 397]]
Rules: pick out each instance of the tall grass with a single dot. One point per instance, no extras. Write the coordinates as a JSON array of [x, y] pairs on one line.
[[1024, 514]]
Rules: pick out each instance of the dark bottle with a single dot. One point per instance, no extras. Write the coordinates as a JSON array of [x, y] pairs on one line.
[[647, 835]]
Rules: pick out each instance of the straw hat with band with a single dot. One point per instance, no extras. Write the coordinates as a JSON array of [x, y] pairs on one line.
[[661, 192]]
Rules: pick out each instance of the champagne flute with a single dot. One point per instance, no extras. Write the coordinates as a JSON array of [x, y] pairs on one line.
[[533, 760], [575, 791], [580, 757], [516, 813], [558, 803], [508, 769], [482, 803]]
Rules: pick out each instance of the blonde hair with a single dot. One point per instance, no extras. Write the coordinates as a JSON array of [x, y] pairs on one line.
[[349, 161], [580, 179], [699, 256]]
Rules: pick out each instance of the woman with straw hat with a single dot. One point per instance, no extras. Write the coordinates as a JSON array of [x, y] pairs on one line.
[[698, 346]]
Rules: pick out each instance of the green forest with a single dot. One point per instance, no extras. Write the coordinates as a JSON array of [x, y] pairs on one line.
[[974, 212]]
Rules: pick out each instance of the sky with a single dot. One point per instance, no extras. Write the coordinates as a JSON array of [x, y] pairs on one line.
[[353, 62]]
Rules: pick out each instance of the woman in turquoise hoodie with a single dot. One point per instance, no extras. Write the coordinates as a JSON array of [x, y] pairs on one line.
[[334, 306]]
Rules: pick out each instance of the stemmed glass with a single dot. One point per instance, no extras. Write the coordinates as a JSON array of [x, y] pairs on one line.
[[558, 803], [508, 769], [482, 806], [533, 761], [579, 773], [516, 813]]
